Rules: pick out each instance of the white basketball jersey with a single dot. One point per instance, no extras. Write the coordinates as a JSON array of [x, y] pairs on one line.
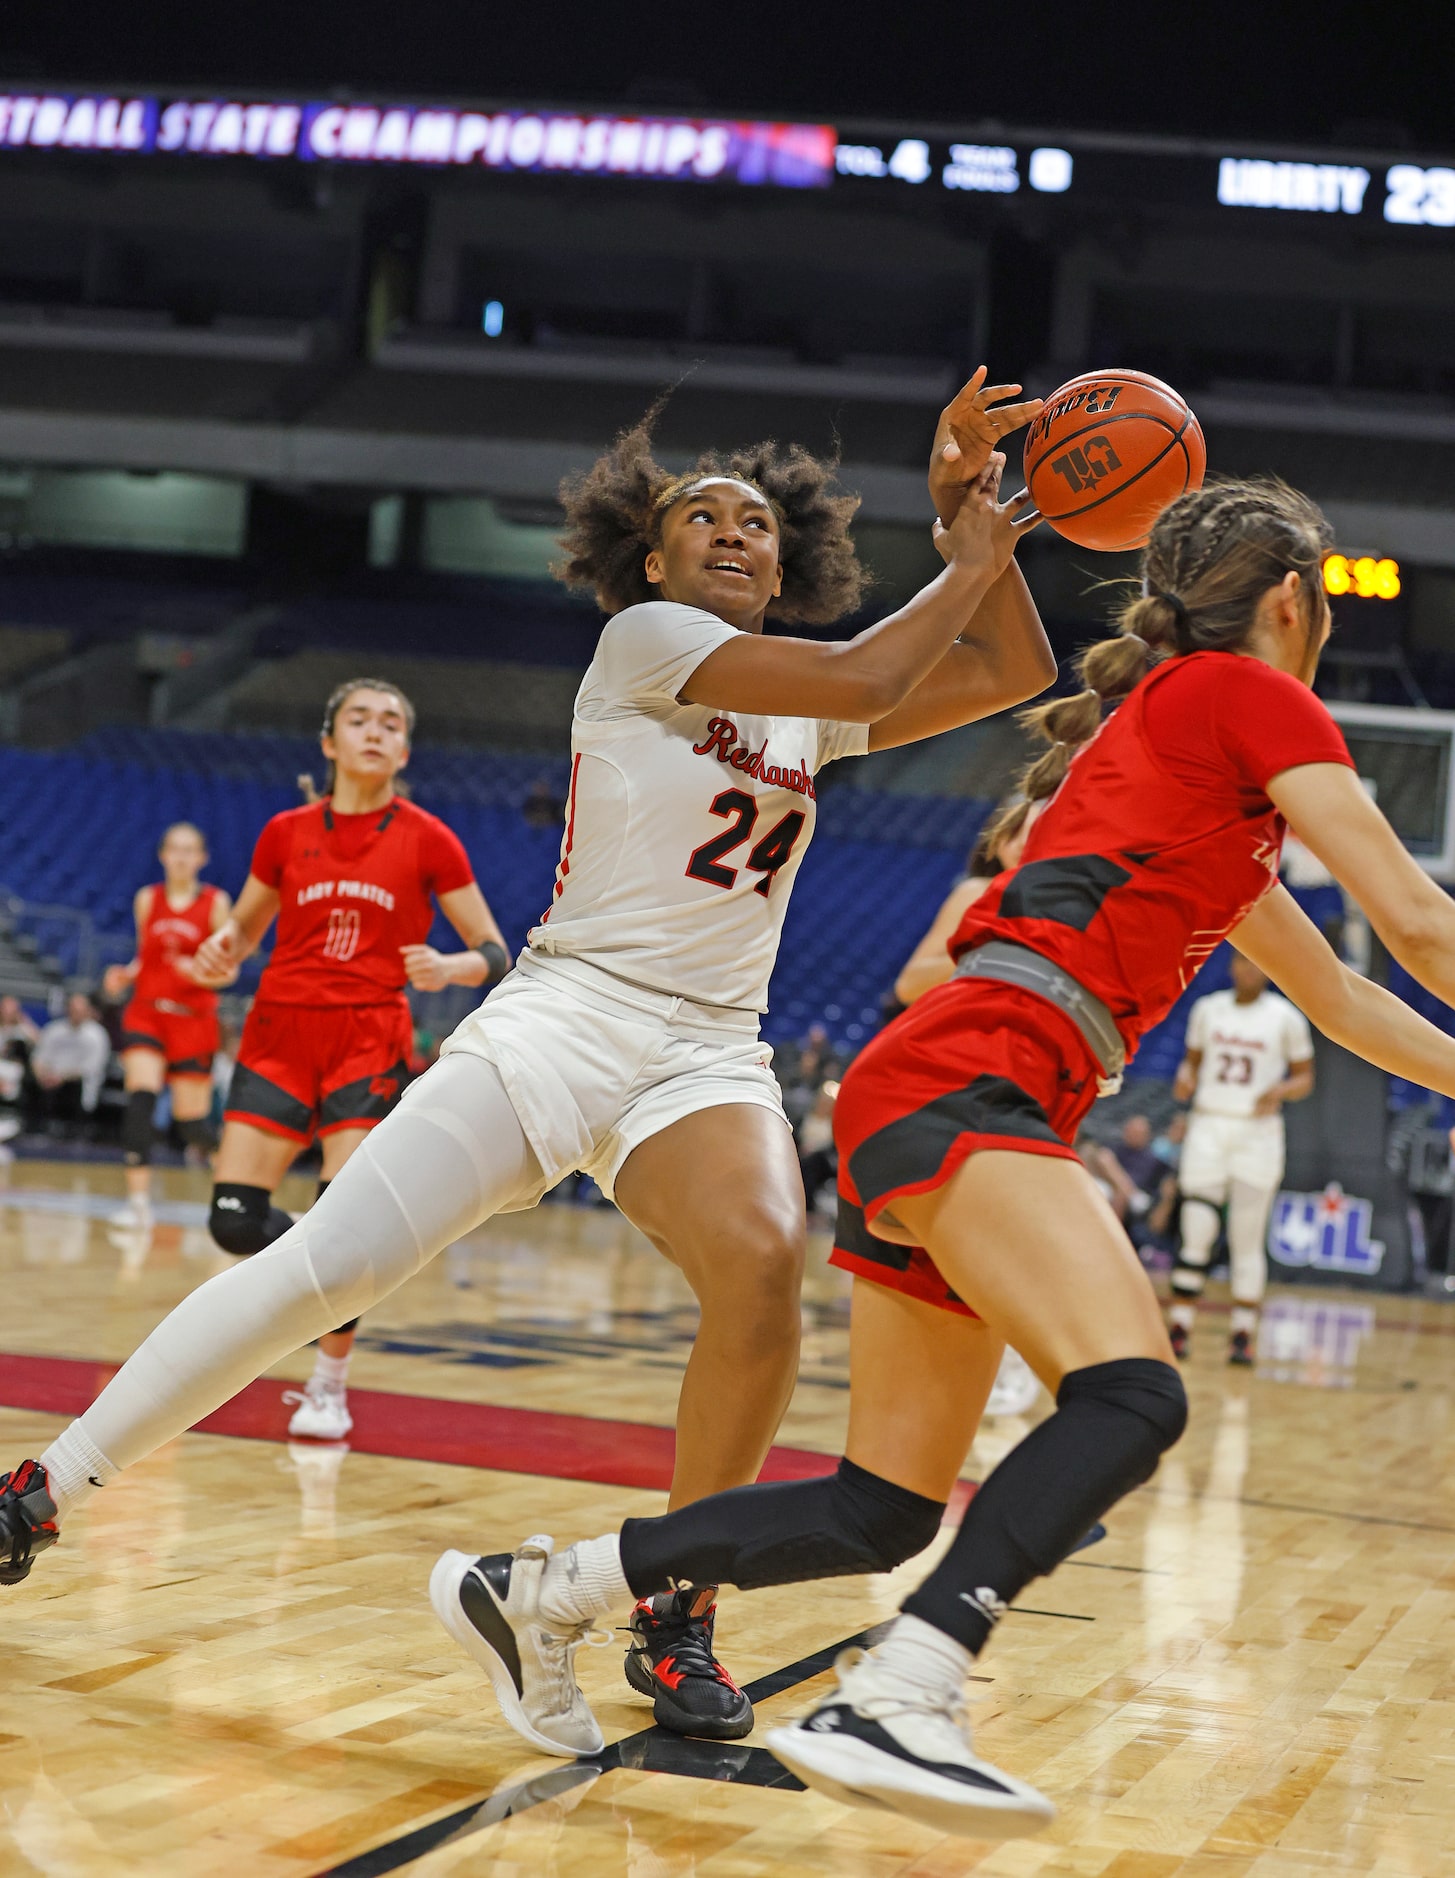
[[685, 825], [1246, 1049]]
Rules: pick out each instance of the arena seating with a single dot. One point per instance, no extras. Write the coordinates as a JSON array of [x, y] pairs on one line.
[[871, 882]]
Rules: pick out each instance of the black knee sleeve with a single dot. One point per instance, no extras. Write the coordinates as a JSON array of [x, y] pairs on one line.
[[781, 1534], [1113, 1423], [198, 1134], [243, 1219], [1135, 1386], [136, 1127]]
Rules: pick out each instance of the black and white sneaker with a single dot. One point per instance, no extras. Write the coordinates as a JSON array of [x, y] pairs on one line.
[[672, 1660], [491, 1607], [879, 1741], [27, 1520]]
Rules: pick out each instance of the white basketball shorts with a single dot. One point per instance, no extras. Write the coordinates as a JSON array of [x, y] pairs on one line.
[[594, 1066], [1220, 1149]]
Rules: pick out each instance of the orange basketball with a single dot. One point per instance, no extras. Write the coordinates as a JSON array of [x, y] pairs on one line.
[[1108, 453]]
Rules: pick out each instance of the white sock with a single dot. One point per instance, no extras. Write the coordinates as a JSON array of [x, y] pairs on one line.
[[585, 1582], [76, 1468], [1184, 1316], [334, 1370], [923, 1656], [1245, 1317]]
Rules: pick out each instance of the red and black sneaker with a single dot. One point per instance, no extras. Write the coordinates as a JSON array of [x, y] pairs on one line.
[[671, 1660], [1240, 1350], [27, 1520], [1180, 1337]]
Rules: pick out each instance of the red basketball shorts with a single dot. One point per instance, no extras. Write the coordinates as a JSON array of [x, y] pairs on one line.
[[186, 1040], [314, 1069], [971, 1065]]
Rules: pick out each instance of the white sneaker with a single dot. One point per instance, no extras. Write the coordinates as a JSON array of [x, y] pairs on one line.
[[880, 1741], [1015, 1388], [135, 1216], [322, 1413], [491, 1607]]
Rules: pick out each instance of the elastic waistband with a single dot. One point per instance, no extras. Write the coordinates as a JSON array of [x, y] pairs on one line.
[[1010, 964], [585, 977]]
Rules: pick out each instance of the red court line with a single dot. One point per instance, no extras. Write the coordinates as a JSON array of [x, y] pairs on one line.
[[417, 1428]]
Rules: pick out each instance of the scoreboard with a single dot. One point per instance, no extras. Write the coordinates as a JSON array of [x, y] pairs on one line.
[[1081, 170]]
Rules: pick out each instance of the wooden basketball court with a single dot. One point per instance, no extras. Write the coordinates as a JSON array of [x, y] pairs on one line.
[[230, 1666]]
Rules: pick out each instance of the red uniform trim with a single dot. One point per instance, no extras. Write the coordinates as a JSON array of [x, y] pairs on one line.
[[565, 863]]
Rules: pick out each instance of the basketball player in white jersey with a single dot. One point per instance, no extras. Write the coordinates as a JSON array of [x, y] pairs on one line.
[[626, 1040], [1248, 1052]]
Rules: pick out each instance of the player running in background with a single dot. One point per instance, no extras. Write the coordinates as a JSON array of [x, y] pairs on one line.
[[999, 845], [325, 1049], [1248, 1052], [964, 1212], [626, 1041], [169, 1027]]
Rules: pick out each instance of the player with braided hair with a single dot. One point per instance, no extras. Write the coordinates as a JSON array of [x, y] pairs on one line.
[[965, 1214], [626, 1040]]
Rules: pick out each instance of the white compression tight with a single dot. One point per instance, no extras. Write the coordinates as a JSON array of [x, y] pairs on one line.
[[1248, 1210], [450, 1155]]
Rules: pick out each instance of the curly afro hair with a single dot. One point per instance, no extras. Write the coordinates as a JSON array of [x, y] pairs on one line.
[[614, 516]]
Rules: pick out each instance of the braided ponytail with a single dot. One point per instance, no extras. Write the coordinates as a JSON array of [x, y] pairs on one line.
[[1211, 557]]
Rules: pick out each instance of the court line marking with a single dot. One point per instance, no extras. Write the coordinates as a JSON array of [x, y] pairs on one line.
[[651, 1750]]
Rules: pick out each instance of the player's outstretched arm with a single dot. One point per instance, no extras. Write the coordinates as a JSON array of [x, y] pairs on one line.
[[116, 978], [1327, 807], [485, 958], [1001, 658], [930, 963], [217, 959], [863, 679], [1281, 940]]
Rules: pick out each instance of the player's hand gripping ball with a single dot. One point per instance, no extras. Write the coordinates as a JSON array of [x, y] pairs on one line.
[[1108, 453]]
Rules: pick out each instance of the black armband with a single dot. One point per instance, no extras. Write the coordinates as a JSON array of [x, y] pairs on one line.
[[497, 960]]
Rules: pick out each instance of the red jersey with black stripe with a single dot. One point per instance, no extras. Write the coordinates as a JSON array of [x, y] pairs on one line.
[[1162, 836], [352, 889], [168, 934]]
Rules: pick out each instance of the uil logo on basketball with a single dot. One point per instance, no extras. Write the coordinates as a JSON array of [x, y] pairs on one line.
[[1325, 1232], [341, 941], [1085, 464]]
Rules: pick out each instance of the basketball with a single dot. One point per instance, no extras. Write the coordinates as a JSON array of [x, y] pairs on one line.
[[1107, 455]]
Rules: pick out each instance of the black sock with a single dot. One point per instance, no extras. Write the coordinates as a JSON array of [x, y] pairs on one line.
[[1113, 1422]]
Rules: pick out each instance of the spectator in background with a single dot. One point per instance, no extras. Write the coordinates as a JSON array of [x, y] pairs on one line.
[[68, 1067], [18, 1035], [17, 1039], [818, 1158], [542, 808], [803, 1069]]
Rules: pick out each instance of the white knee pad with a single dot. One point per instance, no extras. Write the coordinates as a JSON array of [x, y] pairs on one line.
[[1248, 1210]]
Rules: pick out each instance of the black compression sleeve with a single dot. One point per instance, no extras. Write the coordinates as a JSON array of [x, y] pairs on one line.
[[781, 1534], [497, 961], [1113, 1422]]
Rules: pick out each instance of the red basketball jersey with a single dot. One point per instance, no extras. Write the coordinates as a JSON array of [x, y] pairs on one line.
[[352, 890], [1162, 837], [168, 935]]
